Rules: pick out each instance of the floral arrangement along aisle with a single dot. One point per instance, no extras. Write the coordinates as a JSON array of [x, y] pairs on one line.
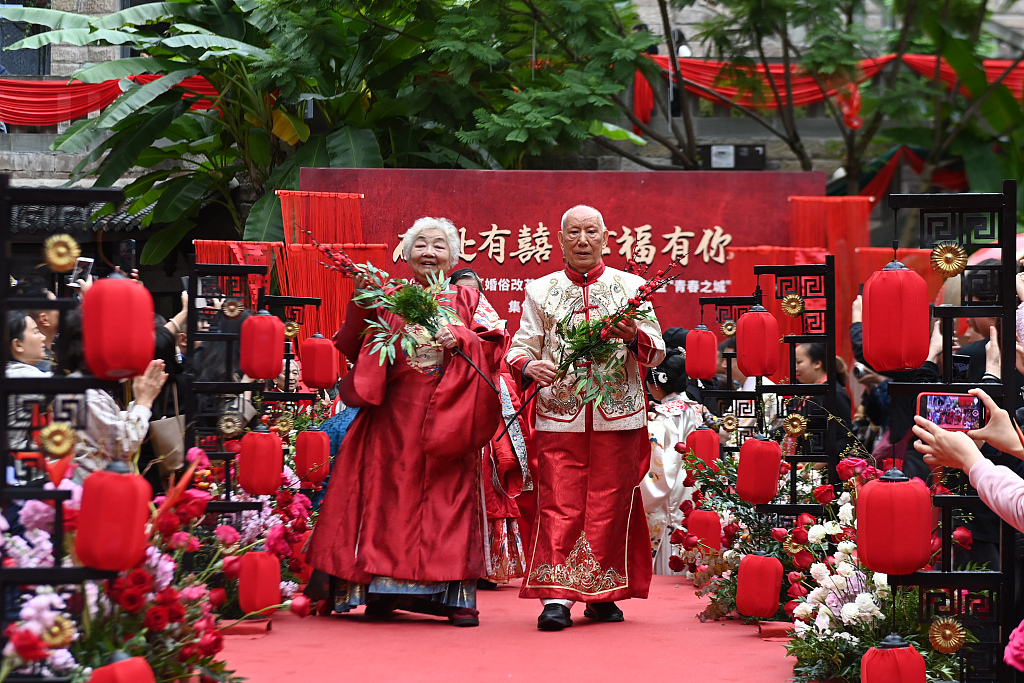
[[840, 608]]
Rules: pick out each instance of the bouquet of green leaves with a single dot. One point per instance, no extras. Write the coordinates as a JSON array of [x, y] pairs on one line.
[[415, 304]]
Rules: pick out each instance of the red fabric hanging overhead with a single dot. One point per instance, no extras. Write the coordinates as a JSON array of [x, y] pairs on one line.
[[193, 85]]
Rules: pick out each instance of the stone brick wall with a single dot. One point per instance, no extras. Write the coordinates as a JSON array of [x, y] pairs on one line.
[[66, 59]]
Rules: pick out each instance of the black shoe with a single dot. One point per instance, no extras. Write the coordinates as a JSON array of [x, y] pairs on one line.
[[555, 617], [383, 608], [464, 617], [485, 585], [603, 611]]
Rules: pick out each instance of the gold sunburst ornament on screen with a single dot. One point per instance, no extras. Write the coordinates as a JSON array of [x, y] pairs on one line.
[[792, 305], [232, 308], [795, 424], [948, 259], [284, 424], [60, 252], [57, 439], [230, 425], [729, 328], [291, 329], [730, 423], [947, 635]]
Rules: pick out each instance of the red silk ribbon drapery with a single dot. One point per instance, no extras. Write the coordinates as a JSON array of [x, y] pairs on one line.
[[46, 103], [805, 89], [955, 180]]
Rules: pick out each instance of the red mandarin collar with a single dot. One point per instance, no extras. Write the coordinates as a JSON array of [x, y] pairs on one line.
[[591, 276]]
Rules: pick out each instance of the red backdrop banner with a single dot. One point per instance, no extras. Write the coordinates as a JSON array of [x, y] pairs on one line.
[[509, 221]]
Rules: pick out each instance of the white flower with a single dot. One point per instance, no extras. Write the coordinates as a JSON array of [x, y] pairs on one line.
[[845, 498], [731, 556], [865, 603], [816, 534], [849, 613], [824, 618], [881, 580], [849, 637], [846, 513], [800, 629], [817, 595], [820, 572], [845, 569], [840, 556], [832, 527], [839, 583], [288, 589], [803, 610], [847, 547]]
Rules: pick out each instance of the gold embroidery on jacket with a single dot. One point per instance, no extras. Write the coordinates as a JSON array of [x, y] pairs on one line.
[[560, 399], [581, 571]]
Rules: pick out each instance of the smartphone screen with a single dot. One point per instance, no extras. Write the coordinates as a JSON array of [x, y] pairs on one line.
[[958, 412], [127, 256], [961, 368], [82, 270]]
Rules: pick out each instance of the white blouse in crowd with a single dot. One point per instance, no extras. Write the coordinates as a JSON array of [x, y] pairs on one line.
[[109, 434], [662, 489]]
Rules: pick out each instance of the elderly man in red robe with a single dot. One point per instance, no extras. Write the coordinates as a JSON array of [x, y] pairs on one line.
[[590, 540]]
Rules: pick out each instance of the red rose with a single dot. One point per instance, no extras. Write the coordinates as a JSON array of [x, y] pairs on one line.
[[677, 536], [797, 590], [698, 497], [795, 577], [140, 579], [676, 564], [296, 566], [156, 619], [963, 537], [284, 499], [217, 597], [870, 473], [28, 646], [687, 507], [730, 530], [166, 597], [300, 605], [845, 469], [167, 523], [691, 541], [681, 448], [805, 519], [824, 494], [176, 612], [187, 652], [800, 535], [790, 606], [132, 600], [779, 534], [784, 467], [830, 561], [803, 559], [70, 519], [936, 544], [210, 643], [299, 526], [232, 566], [689, 481], [115, 588]]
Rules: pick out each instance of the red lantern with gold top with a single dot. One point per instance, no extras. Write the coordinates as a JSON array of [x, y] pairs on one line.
[[894, 660], [312, 456], [758, 585], [260, 462], [701, 353], [131, 670], [259, 582], [112, 520], [757, 475], [757, 342], [706, 445], [896, 319], [262, 346], [894, 524], [707, 526], [319, 363], [118, 335]]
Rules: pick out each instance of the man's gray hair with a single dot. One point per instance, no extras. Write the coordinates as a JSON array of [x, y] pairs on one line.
[[565, 216], [451, 236]]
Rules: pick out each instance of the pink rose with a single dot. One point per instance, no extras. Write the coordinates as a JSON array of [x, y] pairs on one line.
[[1013, 655], [199, 454], [276, 542], [180, 540], [227, 535], [192, 593]]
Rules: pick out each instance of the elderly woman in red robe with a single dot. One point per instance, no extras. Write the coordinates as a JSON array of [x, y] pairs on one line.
[[401, 527]]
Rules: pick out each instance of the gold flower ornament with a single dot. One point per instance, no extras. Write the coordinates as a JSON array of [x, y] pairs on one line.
[[60, 252], [947, 635], [948, 259]]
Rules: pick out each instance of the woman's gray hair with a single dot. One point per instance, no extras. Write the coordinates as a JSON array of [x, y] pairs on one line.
[[451, 236]]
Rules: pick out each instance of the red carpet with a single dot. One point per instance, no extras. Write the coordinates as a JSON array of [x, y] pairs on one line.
[[660, 638]]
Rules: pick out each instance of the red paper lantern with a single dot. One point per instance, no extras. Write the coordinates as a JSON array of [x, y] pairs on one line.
[[132, 670], [758, 586], [893, 661], [757, 343], [312, 456], [112, 520], [260, 463], [701, 353], [706, 445], [757, 475], [262, 346], [118, 335], [706, 525], [896, 316], [259, 582], [894, 524], [319, 363]]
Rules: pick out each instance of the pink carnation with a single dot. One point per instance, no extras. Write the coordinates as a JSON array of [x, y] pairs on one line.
[[196, 453], [1013, 655], [227, 535], [36, 514], [298, 511], [192, 593], [276, 543]]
